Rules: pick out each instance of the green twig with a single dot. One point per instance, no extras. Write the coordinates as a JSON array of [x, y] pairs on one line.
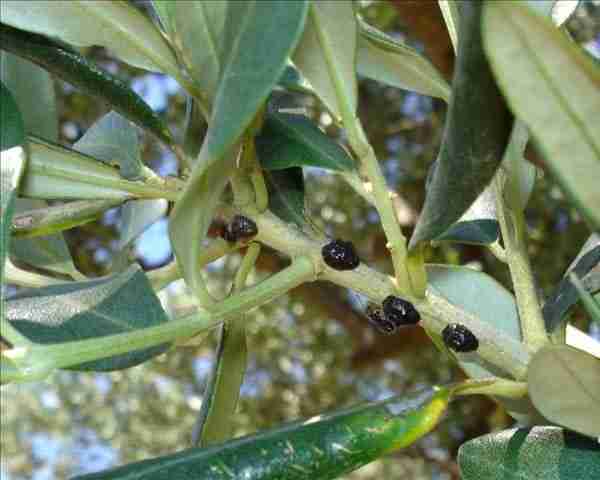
[[512, 225], [44, 358]]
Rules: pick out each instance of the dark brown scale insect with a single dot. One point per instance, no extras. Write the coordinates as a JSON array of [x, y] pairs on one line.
[[340, 255], [459, 338], [400, 312], [240, 228], [378, 320]]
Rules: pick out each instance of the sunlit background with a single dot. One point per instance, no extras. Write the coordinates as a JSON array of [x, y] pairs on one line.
[[310, 350]]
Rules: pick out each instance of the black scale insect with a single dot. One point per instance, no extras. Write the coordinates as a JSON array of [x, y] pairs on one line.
[[393, 314], [240, 228], [340, 255], [459, 338]]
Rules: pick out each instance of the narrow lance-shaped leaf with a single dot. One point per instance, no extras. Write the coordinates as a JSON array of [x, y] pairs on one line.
[[258, 39], [56, 172], [115, 25], [49, 252], [195, 30], [528, 54], [288, 140], [286, 194], [47, 220], [36, 96], [587, 267], [325, 447], [451, 16], [85, 75], [550, 453], [12, 166], [326, 54], [90, 309], [475, 137], [564, 387], [385, 59], [37, 101]]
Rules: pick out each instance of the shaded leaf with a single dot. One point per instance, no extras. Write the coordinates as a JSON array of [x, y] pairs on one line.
[[86, 76], [288, 140], [286, 194], [114, 141], [49, 252], [258, 39], [529, 54], [564, 387], [195, 30], [475, 136], [550, 453], [36, 96], [324, 447], [326, 54], [114, 25], [12, 127], [586, 267], [56, 172], [387, 60], [291, 79], [91, 309], [451, 16], [222, 392], [47, 220], [12, 167]]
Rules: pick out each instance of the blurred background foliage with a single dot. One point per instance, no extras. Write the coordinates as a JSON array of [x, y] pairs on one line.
[[311, 350]]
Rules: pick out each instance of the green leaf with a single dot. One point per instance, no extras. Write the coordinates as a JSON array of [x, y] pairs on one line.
[[528, 54], [587, 267], [387, 60], [84, 75], [223, 389], [286, 194], [550, 453], [590, 303], [11, 172], [49, 252], [451, 16], [479, 294], [37, 101], [258, 39], [91, 309], [114, 141], [114, 25], [288, 140], [12, 128], [47, 220], [326, 54], [324, 447], [475, 137], [195, 30], [36, 96], [563, 385], [56, 172]]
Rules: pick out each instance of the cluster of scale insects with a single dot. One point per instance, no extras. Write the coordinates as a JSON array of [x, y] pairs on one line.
[[394, 312]]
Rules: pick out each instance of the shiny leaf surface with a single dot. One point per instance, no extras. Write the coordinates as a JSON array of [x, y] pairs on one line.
[[90, 309], [550, 453], [125, 31], [289, 140], [324, 447], [527, 52]]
